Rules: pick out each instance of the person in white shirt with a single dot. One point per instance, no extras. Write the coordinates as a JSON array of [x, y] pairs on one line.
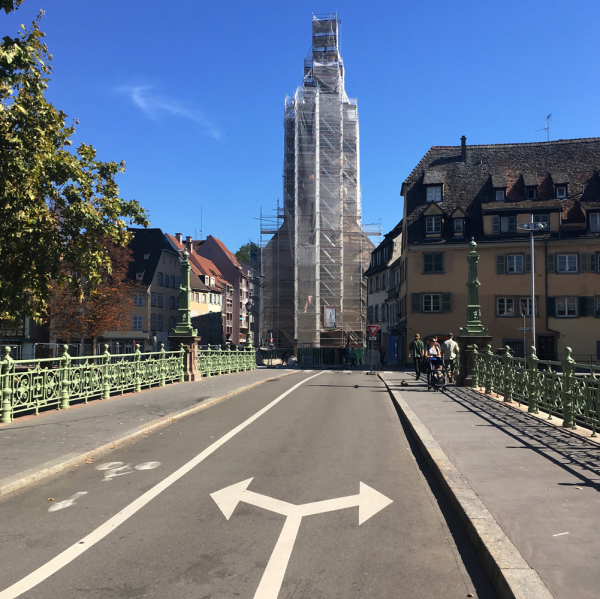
[[450, 354]]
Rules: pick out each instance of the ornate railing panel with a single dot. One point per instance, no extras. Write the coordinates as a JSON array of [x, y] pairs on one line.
[[213, 360], [565, 389]]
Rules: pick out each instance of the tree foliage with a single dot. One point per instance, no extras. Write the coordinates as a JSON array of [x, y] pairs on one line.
[[56, 205], [10, 5], [247, 250], [106, 306]]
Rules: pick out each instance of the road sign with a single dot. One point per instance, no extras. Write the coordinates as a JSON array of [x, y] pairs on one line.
[[368, 500], [373, 329], [523, 328]]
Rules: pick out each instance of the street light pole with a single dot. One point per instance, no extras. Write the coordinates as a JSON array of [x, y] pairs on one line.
[[531, 227]]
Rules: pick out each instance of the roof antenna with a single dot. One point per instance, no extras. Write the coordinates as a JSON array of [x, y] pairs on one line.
[[547, 127]]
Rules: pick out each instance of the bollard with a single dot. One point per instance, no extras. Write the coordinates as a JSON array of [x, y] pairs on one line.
[[6, 365], [138, 374], [65, 359], [533, 388], [568, 366], [105, 373]]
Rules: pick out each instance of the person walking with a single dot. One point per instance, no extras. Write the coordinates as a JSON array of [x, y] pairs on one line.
[[415, 350], [346, 357], [450, 352], [352, 358], [381, 358]]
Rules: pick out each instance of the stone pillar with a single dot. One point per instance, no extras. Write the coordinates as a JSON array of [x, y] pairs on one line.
[[474, 334], [184, 335]]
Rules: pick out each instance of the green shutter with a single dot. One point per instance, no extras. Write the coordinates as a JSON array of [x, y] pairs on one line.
[[549, 262], [584, 262], [415, 302], [495, 224], [446, 302], [527, 262], [500, 264], [550, 303]]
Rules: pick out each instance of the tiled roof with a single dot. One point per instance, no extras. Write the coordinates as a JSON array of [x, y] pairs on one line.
[[147, 247], [530, 179], [433, 176], [470, 185], [498, 180]]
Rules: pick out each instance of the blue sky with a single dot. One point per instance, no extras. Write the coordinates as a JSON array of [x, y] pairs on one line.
[[190, 94]]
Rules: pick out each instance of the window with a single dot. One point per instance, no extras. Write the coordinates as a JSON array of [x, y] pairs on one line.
[[561, 192], [160, 279], [171, 302], [505, 306], [385, 311], [138, 322], [379, 314], [432, 302], [378, 283], [385, 279], [542, 218], [598, 309], [160, 322], [153, 322], [153, 299], [525, 307], [177, 282], [459, 225], [434, 194], [171, 281], [500, 195], [566, 307], [503, 224], [531, 193], [177, 303], [160, 300], [566, 263], [595, 222], [138, 299], [433, 224], [514, 264], [433, 262]]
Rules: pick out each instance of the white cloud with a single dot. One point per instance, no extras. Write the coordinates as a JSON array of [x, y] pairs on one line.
[[153, 105]]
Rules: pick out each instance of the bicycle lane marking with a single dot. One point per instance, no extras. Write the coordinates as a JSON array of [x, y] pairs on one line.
[[75, 550]]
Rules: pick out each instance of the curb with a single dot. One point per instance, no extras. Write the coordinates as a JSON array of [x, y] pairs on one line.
[[27, 477], [506, 568]]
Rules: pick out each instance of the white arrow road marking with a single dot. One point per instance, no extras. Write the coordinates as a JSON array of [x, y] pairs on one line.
[[368, 500], [74, 551], [61, 505]]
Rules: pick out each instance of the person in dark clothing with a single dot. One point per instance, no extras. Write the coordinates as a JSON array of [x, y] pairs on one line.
[[415, 350], [381, 357]]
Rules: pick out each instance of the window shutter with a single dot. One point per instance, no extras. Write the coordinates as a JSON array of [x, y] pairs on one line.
[[415, 302], [512, 226], [550, 303], [593, 263], [500, 264], [446, 302], [583, 305], [549, 262], [495, 224], [527, 262], [584, 262]]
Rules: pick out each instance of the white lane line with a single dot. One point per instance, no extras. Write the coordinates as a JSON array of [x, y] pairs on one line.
[[75, 550]]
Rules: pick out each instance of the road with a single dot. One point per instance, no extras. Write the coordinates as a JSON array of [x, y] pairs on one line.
[[306, 486]]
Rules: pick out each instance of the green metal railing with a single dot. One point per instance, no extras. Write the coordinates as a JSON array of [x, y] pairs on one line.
[[33, 385], [213, 360], [565, 389]]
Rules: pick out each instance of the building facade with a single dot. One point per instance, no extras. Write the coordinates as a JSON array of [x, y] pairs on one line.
[[484, 192], [380, 282], [313, 294]]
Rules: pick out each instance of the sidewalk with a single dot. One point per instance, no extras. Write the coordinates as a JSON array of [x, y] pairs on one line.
[[33, 447], [540, 482]]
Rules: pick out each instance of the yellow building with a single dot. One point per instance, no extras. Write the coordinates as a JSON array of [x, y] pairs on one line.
[[485, 192]]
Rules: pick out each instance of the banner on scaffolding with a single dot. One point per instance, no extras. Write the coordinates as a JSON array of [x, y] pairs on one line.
[[329, 317]]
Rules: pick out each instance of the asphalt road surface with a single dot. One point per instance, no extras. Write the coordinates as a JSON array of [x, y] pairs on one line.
[[303, 487]]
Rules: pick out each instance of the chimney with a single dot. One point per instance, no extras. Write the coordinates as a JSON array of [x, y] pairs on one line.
[[188, 244], [463, 149], [178, 236]]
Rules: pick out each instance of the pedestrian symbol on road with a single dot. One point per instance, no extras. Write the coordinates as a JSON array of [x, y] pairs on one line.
[[368, 500]]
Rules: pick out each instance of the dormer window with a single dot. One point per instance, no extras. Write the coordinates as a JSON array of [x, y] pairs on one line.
[[561, 192], [434, 193], [500, 195], [595, 222], [531, 193], [433, 224], [459, 226]]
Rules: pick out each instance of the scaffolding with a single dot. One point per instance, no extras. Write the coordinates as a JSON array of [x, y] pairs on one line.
[[314, 250]]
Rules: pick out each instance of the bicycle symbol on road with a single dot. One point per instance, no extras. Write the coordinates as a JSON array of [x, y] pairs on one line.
[[113, 469]]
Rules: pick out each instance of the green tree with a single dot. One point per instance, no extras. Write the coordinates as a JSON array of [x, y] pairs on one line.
[[56, 205], [247, 250]]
